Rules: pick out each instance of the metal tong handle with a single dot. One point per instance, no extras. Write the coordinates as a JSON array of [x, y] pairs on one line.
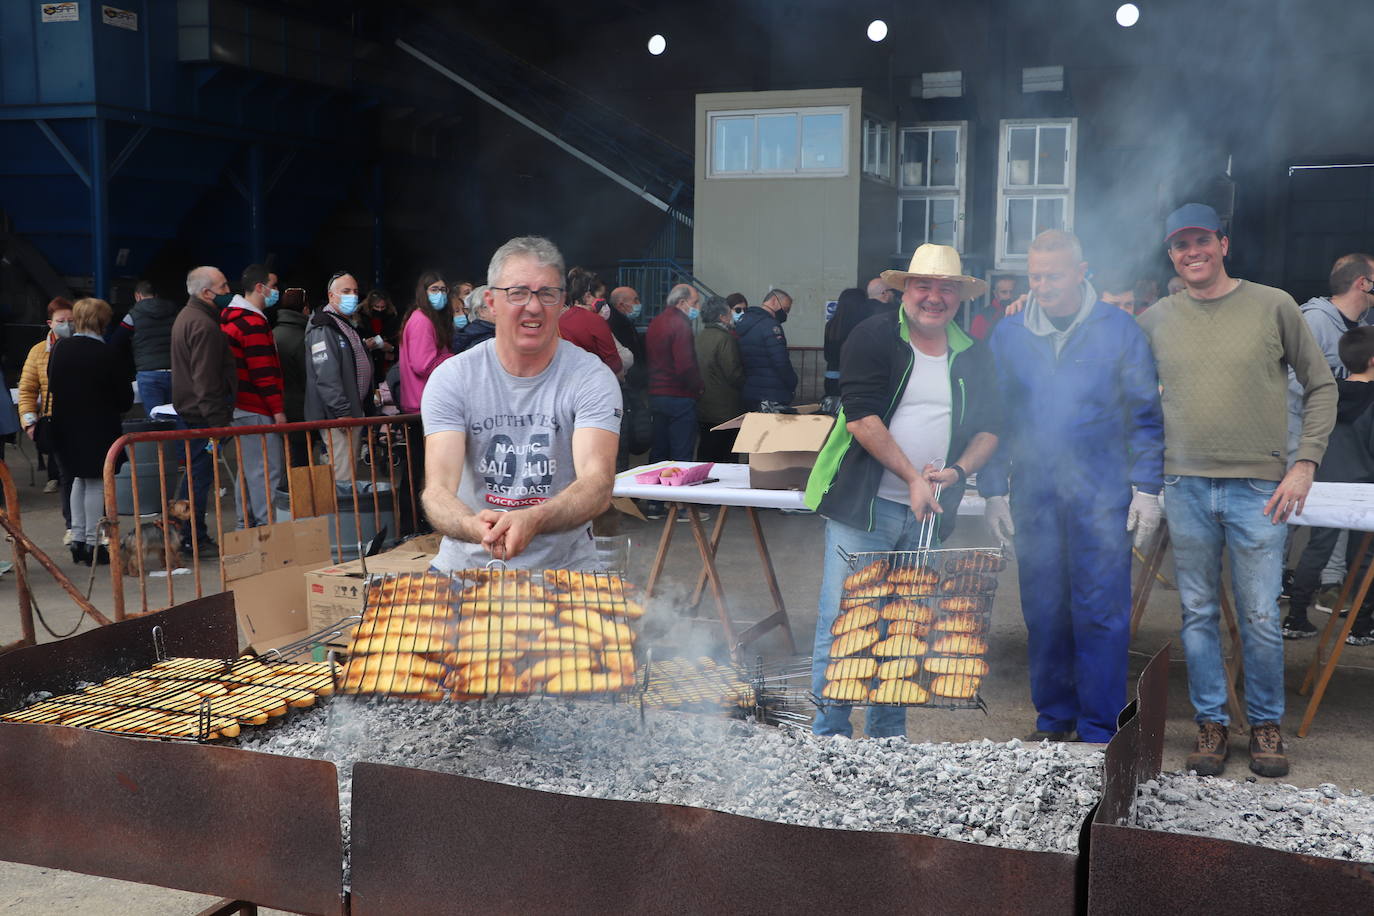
[[931, 523]]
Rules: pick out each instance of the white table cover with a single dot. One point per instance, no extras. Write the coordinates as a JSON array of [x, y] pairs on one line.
[[732, 490]]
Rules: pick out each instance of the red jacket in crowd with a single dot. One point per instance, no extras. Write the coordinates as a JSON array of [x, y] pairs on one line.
[[672, 355], [255, 354], [590, 332]]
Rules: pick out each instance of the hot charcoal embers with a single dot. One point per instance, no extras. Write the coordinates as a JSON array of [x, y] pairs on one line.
[[1013, 795], [1321, 822]]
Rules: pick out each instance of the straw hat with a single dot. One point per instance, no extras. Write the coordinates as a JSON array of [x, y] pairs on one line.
[[938, 262]]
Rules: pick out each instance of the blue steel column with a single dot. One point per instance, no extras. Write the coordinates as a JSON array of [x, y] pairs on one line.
[[100, 209], [257, 239]]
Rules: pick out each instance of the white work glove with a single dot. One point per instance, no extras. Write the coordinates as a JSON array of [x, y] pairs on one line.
[[1143, 517], [998, 516]]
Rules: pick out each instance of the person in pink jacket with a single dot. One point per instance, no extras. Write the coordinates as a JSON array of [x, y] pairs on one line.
[[426, 338]]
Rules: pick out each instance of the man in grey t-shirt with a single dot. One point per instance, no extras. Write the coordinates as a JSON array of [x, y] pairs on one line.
[[521, 431]]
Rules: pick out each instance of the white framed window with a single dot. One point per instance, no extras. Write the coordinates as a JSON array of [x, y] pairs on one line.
[[931, 185], [877, 148], [1037, 170], [779, 143]]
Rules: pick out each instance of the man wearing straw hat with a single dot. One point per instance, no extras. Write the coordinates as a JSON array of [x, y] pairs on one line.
[[919, 407], [1082, 457]]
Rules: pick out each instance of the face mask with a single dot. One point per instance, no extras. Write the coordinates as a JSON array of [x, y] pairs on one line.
[[460, 321], [735, 317], [438, 300], [693, 313], [271, 298], [781, 316], [604, 312], [223, 299], [348, 303], [635, 309], [62, 328]]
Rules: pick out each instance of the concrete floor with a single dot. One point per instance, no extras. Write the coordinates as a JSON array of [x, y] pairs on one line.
[[1337, 751]]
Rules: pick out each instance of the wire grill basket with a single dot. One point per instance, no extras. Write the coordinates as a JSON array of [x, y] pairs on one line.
[[913, 628]]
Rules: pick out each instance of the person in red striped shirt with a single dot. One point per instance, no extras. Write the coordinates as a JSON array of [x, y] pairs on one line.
[[259, 398]]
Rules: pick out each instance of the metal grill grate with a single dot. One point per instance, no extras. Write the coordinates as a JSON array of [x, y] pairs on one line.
[[493, 632], [191, 699], [912, 628]]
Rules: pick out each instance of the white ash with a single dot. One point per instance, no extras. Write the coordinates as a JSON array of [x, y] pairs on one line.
[[1032, 797], [1321, 822]]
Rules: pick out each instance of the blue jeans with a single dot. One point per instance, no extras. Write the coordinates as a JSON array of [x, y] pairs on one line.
[[1204, 513], [675, 428], [894, 528], [154, 388]]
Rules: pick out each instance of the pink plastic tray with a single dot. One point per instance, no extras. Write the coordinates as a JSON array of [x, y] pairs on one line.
[[684, 476]]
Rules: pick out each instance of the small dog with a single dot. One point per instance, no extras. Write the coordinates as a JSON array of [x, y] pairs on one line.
[[147, 540]]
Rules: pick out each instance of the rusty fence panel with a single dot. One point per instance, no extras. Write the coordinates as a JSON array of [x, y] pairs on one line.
[[391, 474]]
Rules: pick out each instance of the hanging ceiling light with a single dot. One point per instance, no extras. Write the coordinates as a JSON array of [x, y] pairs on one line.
[[657, 45], [1127, 15], [877, 30]]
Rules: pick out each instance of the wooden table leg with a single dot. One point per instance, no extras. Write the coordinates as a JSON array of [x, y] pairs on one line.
[[662, 556], [708, 562], [1153, 560], [1333, 623], [779, 616], [715, 546], [1235, 665], [1330, 668]]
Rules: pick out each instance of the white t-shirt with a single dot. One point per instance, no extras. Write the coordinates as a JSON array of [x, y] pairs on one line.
[[920, 425], [519, 441]]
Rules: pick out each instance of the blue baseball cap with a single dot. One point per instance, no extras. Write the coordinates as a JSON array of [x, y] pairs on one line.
[[1191, 216]]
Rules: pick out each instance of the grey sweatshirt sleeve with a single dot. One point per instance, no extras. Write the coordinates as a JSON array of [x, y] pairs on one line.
[[1303, 354]]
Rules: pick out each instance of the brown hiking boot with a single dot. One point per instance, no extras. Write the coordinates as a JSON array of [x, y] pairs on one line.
[[1266, 750], [1209, 757]]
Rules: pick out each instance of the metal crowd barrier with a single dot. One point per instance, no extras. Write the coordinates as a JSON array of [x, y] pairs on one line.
[[395, 437], [810, 365]]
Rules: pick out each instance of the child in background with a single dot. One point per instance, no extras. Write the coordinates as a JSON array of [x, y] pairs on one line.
[[1349, 459]]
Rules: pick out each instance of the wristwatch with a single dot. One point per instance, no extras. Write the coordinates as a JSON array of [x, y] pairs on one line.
[[963, 476]]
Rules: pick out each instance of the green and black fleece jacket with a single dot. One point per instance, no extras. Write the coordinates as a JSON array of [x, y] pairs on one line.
[[874, 367]]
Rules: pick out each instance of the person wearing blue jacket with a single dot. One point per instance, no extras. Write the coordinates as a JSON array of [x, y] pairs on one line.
[[1082, 456], [768, 372]]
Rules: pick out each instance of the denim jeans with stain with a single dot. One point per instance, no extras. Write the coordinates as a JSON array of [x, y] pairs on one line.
[[1206, 514]]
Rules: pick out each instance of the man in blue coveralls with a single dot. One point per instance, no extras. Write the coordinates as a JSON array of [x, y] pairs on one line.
[[1082, 455]]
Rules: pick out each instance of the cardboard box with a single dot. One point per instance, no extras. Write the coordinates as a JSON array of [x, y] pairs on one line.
[[781, 447], [263, 568], [336, 591]]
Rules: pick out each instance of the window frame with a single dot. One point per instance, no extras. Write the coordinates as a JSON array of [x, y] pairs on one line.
[[1005, 260], [885, 147], [958, 192], [800, 112]]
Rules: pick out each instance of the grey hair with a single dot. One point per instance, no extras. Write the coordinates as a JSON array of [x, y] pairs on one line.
[[714, 309], [774, 293], [680, 293], [1058, 240], [477, 300], [543, 251], [200, 279]]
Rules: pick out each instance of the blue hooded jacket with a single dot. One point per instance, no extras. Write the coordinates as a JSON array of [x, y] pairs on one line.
[[1085, 425], [768, 372]]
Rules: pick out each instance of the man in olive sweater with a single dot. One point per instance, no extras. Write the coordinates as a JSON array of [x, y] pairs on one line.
[[1224, 347]]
